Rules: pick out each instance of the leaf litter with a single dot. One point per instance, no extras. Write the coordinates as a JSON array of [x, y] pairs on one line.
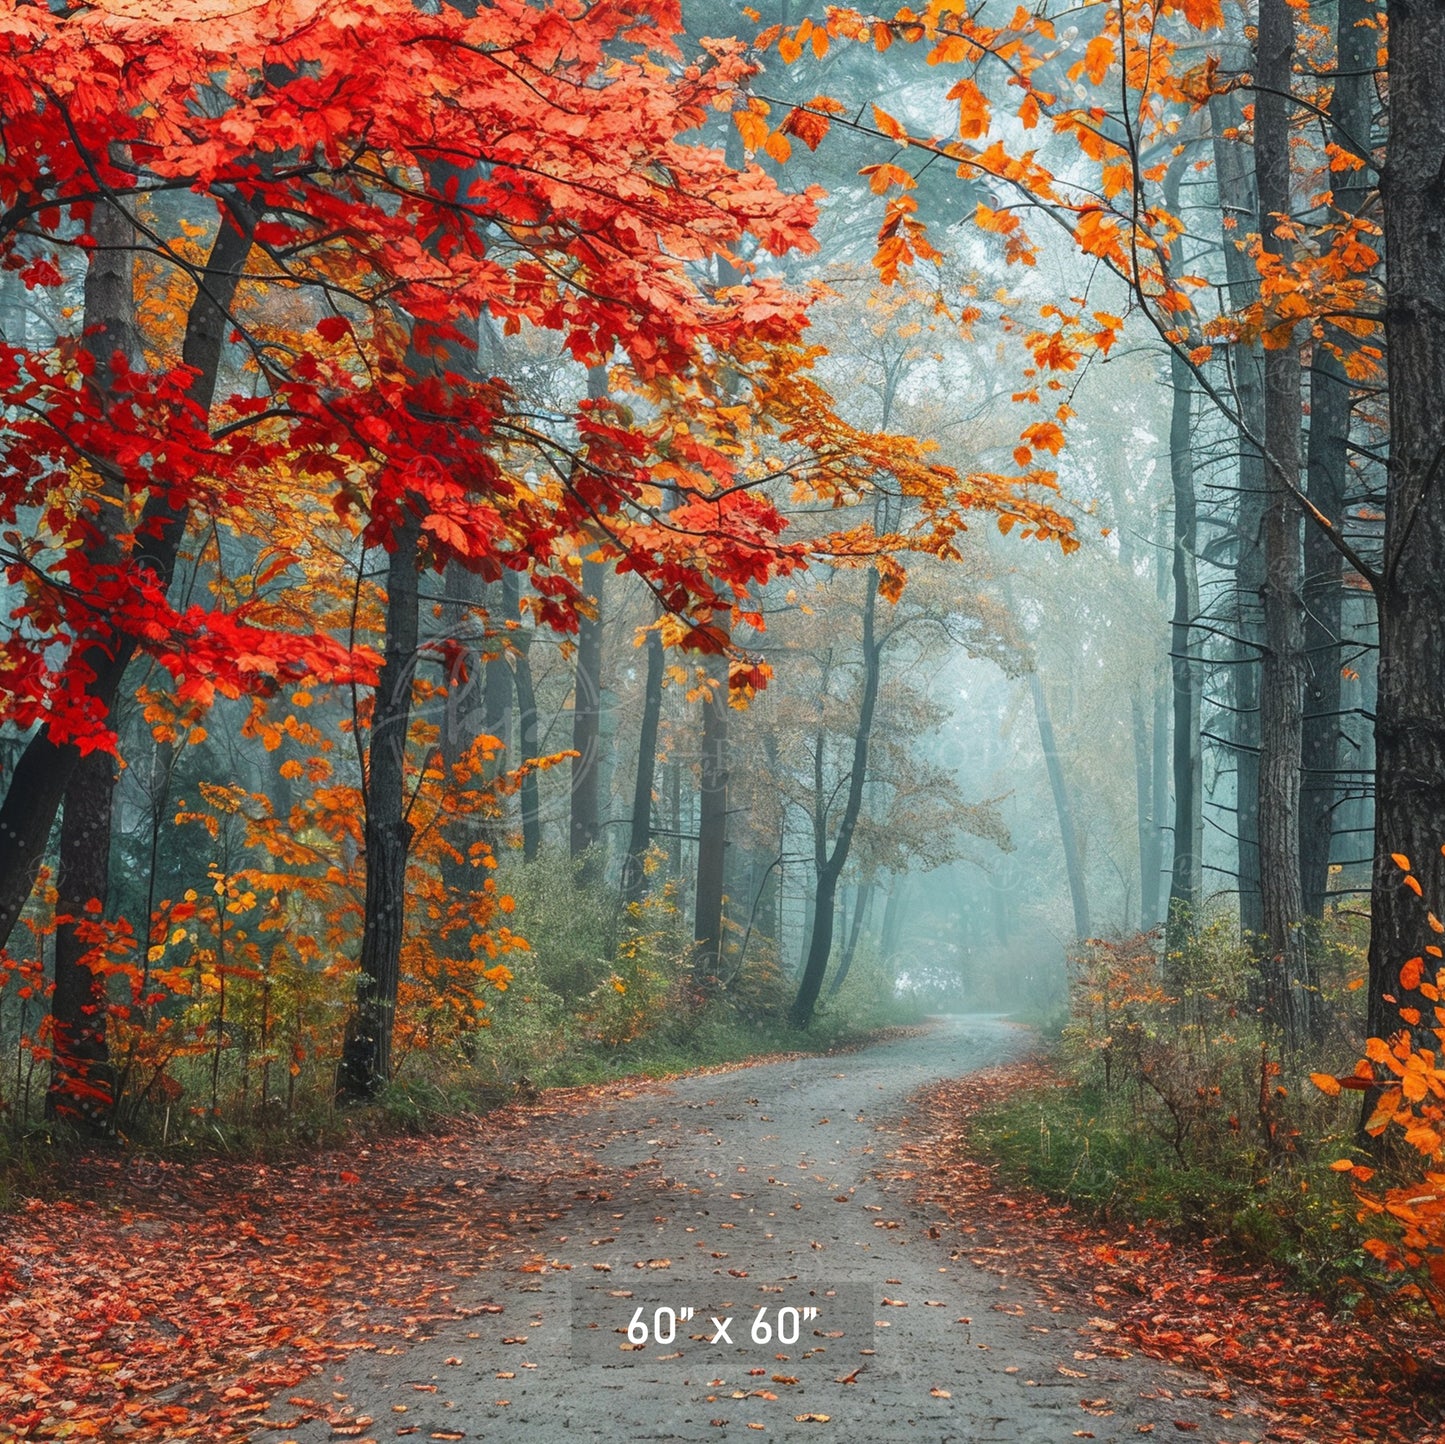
[[1193, 1303]]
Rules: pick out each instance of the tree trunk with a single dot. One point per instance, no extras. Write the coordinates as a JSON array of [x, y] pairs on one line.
[[1184, 876], [674, 841], [1287, 996], [861, 905], [1144, 811], [634, 875], [1410, 708], [462, 720], [892, 926], [43, 770], [497, 690], [1160, 740], [365, 1066], [1327, 466], [80, 1076], [830, 864], [528, 741], [707, 929], [586, 726], [1058, 785], [1162, 744], [1239, 203]]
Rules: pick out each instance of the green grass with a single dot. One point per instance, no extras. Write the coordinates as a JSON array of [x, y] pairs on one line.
[[1077, 1144]]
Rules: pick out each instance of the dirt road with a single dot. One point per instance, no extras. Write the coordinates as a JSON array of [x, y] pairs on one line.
[[736, 1193]]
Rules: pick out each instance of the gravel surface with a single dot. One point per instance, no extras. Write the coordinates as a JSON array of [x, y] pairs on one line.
[[751, 1189]]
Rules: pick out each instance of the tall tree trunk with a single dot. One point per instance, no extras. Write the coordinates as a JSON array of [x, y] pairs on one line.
[[365, 1065], [1410, 707], [634, 875], [1162, 744], [674, 841], [80, 1077], [1160, 738], [586, 831], [1146, 802], [861, 904], [43, 770], [712, 817], [528, 742], [462, 714], [1327, 466], [830, 864], [1144, 812], [1239, 204], [1058, 785], [1287, 997], [892, 925], [497, 687], [1184, 876]]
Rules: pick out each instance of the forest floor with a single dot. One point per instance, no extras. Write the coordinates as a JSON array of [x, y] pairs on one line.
[[479, 1284]]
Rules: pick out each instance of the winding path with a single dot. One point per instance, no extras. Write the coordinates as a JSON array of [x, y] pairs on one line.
[[748, 1189]]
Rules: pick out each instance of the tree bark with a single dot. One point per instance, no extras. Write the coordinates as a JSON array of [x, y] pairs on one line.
[[585, 831], [462, 721], [1410, 708], [365, 1066], [1144, 811], [712, 819], [892, 925], [1327, 468], [43, 770], [634, 874], [1058, 785], [1287, 995], [1239, 204], [830, 864], [1184, 874], [80, 1077], [861, 905], [497, 687], [528, 741]]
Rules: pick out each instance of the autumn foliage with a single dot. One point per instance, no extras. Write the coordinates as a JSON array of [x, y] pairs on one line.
[[1404, 1084]]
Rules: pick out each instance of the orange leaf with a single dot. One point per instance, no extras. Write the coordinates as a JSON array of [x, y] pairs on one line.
[[1201, 14], [1098, 57], [972, 109], [890, 127], [883, 176], [809, 128], [777, 147], [1329, 1085]]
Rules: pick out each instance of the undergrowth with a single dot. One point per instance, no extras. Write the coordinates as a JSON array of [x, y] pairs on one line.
[[600, 992], [1176, 1107]]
